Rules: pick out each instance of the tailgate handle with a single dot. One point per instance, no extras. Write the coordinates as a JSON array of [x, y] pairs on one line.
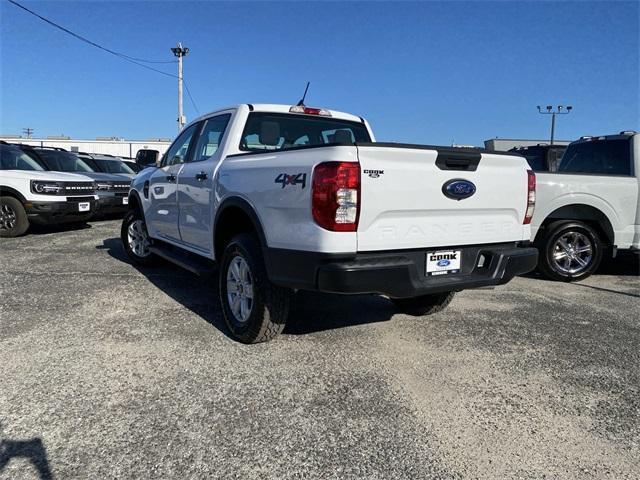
[[461, 161]]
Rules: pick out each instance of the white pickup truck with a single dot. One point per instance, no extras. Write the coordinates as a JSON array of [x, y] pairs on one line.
[[287, 198], [590, 207]]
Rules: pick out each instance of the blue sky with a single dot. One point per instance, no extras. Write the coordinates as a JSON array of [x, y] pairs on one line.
[[423, 72]]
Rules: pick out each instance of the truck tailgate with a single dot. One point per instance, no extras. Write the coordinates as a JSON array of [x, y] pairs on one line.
[[404, 205]]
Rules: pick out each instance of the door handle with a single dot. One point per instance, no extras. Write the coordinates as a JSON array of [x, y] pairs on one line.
[[171, 178], [201, 176]]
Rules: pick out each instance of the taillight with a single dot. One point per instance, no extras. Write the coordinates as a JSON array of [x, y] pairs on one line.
[[335, 197], [531, 197], [310, 110]]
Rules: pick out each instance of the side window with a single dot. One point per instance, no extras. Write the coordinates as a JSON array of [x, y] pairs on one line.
[[178, 151], [600, 157], [210, 137]]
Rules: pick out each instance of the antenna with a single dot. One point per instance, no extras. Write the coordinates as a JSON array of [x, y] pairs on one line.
[[301, 102]]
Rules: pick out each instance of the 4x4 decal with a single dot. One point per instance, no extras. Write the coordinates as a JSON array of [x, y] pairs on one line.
[[295, 179]]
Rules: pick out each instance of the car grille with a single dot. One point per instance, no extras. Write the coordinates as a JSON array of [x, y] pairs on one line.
[[120, 187], [80, 199], [77, 188]]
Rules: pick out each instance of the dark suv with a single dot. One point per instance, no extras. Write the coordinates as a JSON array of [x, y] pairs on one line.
[[542, 158]]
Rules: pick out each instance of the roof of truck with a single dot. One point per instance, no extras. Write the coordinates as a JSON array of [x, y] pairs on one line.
[[281, 108]]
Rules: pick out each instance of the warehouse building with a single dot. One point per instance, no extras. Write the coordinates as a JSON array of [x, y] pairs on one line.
[[118, 147]]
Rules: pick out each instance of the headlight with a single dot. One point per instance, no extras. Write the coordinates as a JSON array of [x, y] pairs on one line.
[[45, 188], [103, 186]]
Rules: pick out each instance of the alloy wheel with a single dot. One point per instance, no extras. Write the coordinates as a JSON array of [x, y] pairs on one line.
[[8, 217], [240, 289], [138, 238], [572, 253]]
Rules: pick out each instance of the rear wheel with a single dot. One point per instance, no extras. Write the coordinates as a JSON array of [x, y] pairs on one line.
[[570, 251], [13, 217], [254, 309], [135, 239], [423, 305]]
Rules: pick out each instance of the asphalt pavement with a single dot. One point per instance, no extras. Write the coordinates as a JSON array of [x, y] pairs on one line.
[[112, 371]]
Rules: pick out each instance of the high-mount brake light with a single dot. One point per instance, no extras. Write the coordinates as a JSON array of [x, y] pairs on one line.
[[335, 197], [310, 110], [531, 197]]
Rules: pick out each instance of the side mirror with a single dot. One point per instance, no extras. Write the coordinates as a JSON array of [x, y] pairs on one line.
[[147, 158]]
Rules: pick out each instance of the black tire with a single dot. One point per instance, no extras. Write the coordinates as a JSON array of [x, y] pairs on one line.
[[425, 304], [268, 308], [577, 236], [130, 218], [13, 217]]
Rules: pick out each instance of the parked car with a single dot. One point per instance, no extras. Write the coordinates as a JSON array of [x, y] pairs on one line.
[[30, 194], [590, 208], [542, 158], [107, 164], [131, 163], [288, 198], [112, 189]]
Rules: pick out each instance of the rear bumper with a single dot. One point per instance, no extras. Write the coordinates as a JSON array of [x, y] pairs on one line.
[[44, 213], [397, 274]]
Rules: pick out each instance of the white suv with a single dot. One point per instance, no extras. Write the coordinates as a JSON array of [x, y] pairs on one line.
[[29, 194]]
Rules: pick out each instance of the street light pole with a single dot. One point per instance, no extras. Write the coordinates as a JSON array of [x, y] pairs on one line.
[[180, 52], [553, 114]]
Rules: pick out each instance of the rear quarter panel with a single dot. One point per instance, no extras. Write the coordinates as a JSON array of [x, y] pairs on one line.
[[284, 210]]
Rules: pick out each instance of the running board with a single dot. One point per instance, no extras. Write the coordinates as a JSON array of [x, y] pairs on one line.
[[186, 260]]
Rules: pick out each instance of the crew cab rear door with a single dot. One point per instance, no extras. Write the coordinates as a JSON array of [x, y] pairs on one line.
[[417, 196]]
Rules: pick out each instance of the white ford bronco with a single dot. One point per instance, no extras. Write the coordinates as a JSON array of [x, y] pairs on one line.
[[30, 194], [590, 207], [287, 198]]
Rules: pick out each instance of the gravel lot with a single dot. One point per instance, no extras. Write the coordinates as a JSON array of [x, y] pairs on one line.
[[109, 371]]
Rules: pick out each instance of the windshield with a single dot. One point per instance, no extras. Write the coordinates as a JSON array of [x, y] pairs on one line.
[[113, 166], [63, 161], [280, 131], [602, 157], [12, 158]]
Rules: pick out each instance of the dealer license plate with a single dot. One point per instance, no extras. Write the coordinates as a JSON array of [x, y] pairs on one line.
[[84, 206], [443, 262], [125, 200]]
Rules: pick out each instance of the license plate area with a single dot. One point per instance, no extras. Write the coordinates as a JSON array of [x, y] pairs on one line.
[[125, 200], [443, 262], [84, 206]]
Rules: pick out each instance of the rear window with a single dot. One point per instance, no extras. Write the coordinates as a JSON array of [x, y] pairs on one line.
[[602, 157], [12, 158], [281, 131], [63, 162]]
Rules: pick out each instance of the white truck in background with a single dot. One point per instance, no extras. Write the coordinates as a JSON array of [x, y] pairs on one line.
[[293, 197], [590, 207]]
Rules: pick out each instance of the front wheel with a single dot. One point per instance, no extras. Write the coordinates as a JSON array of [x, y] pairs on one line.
[[135, 239], [569, 251], [423, 305], [13, 218], [254, 309]]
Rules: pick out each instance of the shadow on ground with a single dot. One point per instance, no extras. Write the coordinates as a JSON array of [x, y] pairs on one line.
[[310, 311], [32, 450]]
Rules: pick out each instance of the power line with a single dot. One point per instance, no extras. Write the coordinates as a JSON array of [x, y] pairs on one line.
[[86, 40], [134, 60], [186, 87]]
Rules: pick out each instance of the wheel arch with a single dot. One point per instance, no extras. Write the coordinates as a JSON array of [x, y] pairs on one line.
[[588, 214], [235, 215], [12, 192], [135, 202]]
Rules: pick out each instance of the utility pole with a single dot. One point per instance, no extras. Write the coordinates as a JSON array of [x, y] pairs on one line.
[[28, 132], [180, 52], [553, 114]]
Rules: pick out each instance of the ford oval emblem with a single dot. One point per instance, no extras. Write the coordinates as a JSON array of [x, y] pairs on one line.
[[458, 189], [443, 263]]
